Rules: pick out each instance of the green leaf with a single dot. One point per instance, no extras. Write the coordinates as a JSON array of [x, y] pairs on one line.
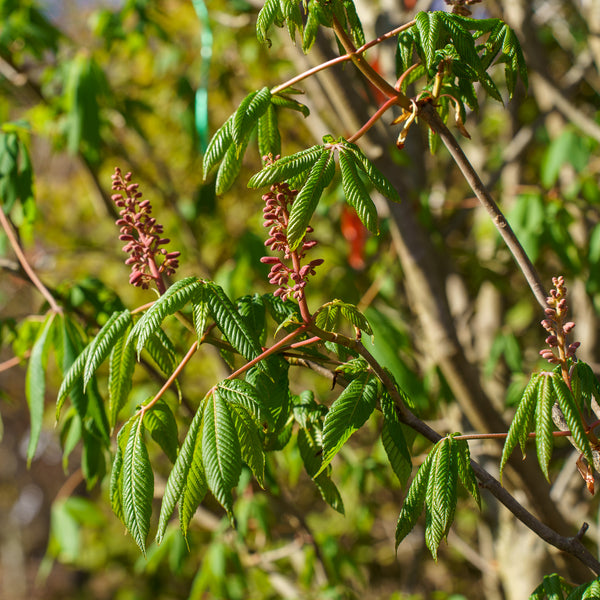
[[71, 379], [218, 146], [412, 506], [220, 450], [354, 23], [544, 426], [356, 192], [311, 449], [572, 416], [329, 492], [138, 485], [269, 14], [174, 299], [326, 316], [379, 181], [120, 374], [231, 165], [441, 495], [187, 475], [160, 422], [200, 311], [465, 470], [308, 197], [521, 423], [35, 384], [231, 324], [286, 167], [284, 101], [104, 341], [250, 442], [246, 395], [269, 139], [553, 587], [72, 349], [116, 476], [396, 449], [429, 26], [346, 415], [250, 110]]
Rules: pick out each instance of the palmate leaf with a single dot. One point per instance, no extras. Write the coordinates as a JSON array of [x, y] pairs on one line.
[[249, 111], [174, 299], [270, 378], [221, 451], [122, 366], [356, 193], [231, 324], [544, 425], [269, 139], [346, 415], [572, 416], [35, 383], [307, 199], [286, 167], [311, 449], [377, 179], [522, 422], [252, 310], [326, 316], [160, 422], [104, 341], [187, 474], [138, 485]]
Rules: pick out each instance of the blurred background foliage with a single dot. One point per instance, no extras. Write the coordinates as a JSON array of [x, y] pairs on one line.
[[86, 86]]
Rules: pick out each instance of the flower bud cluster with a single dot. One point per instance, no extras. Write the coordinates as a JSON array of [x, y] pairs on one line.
[[556, 325], [278, 202], [141, 233]]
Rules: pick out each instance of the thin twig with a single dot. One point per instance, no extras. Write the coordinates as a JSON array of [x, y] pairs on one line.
[[12, 238]]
